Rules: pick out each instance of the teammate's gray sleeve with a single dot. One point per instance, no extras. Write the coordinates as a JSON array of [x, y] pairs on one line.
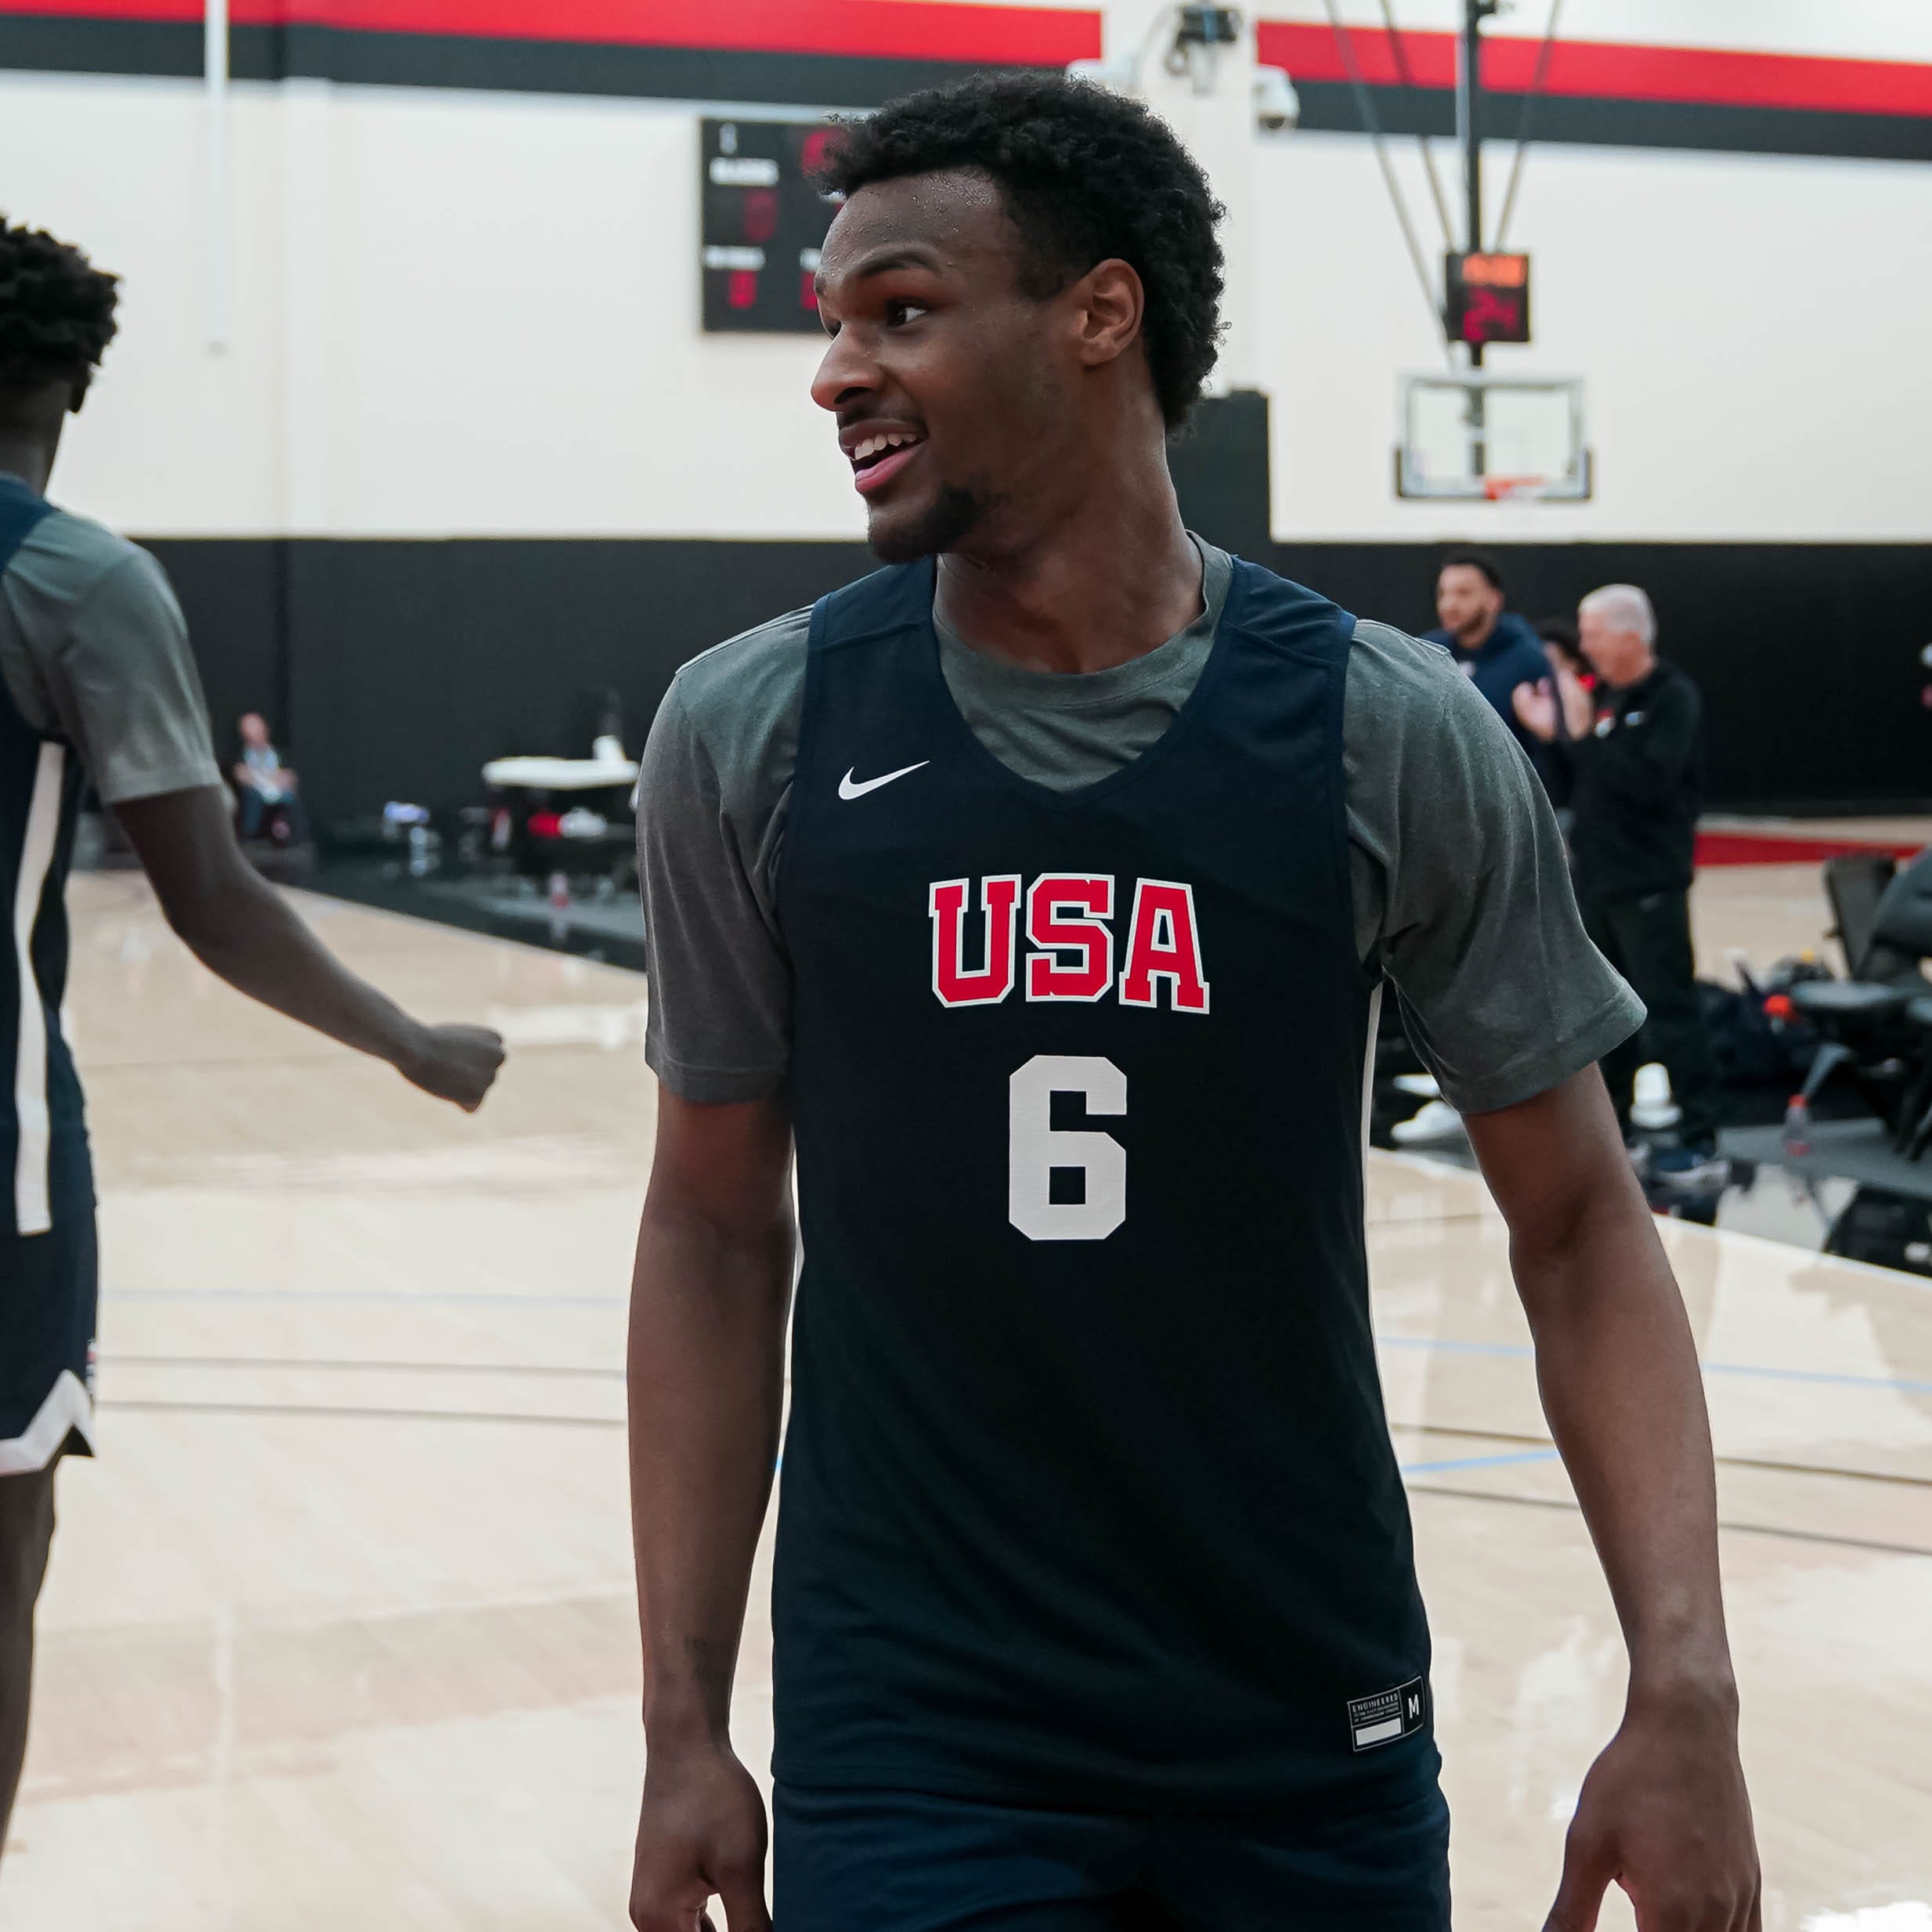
[[107, 660], [712, 803], [1461, 885]]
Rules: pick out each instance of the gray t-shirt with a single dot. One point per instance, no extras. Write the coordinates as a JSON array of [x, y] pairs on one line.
[[93, 647], [1461, 891]]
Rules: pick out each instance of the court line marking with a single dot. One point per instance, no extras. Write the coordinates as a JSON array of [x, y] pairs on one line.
[[468, 1298], [1737, 1462], [1515, 1351], [340, 1411], [1545, 1447], [1503, 1461], [1521, 1351], [1895, 1277], [1431, 1220], [398, 1368], [617, 1422], [1735, 1529]]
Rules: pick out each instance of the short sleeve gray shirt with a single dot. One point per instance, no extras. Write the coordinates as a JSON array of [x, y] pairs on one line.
[[1461, 890], [93, 649]]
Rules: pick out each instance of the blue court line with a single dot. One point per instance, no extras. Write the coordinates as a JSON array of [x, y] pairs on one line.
[[1910, 1385], [1751, 1371], [1479, 1462]]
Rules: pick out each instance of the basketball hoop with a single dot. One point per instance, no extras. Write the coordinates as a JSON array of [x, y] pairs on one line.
[[1476, 436]]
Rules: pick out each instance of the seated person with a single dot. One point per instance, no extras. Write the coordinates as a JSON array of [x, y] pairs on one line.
[[265, 788]]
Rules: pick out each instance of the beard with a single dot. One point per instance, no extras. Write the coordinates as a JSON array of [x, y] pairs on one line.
[[955, 513]]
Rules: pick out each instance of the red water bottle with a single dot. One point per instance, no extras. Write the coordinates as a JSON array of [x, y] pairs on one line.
[[1798, 1127]]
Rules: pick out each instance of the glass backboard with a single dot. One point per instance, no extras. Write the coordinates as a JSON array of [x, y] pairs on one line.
[[1473, 436]]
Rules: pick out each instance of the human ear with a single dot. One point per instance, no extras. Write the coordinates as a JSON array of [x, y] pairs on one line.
[[1108, 303]]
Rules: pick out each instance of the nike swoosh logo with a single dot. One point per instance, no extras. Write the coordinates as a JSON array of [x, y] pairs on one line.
[[849, 790]]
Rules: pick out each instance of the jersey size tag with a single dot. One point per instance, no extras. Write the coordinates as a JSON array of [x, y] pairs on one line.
[[1387, 1715]]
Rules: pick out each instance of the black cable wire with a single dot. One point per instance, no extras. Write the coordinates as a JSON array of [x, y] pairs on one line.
[[1406, 75], [1529, 100], [1372, 121]]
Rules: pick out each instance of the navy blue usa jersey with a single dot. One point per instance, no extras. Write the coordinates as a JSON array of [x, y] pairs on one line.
[[42, 1139], [1088, 1495]]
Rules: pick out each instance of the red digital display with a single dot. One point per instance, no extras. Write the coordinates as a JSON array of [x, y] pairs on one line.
[[1487, 297]]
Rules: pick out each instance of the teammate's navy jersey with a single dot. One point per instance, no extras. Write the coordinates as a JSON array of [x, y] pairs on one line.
[[1088, 1495], [40, 798]]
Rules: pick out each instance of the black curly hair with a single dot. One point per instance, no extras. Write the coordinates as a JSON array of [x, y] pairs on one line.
[[1086, 176], [56, 310]]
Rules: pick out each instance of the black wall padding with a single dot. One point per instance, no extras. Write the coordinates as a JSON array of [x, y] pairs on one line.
[[393, 669], [1807, 654], [233, 592]]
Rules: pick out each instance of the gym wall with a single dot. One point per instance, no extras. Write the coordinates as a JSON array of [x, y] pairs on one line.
[[461, 296]]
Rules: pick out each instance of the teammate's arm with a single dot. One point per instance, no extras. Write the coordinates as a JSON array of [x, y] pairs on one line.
[[246, 932], [1664, 1811], [708, 1304]]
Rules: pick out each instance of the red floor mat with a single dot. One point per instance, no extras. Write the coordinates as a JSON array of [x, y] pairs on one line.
[[1775, 848]]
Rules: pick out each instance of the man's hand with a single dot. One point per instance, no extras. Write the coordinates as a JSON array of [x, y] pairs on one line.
[[455, 1063], [1535, 706], [1664, 1813], [1579, 709], [701, 1833]]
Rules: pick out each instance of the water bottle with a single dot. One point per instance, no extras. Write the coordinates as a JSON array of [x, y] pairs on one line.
[[1798, 1127], [559, 892]]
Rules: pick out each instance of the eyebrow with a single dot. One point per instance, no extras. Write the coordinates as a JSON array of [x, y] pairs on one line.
[[898, 255]]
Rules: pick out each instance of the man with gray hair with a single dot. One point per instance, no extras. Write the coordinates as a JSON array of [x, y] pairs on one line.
[[1629, 764]]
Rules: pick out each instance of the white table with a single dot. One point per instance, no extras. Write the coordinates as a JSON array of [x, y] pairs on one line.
[[559, 774]]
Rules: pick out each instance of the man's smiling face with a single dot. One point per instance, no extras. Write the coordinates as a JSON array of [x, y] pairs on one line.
[[946, 378]]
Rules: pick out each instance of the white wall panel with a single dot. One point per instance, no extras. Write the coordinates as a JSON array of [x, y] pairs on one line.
[[175, 437], [517, 346], [471, 312], [1752, 329]]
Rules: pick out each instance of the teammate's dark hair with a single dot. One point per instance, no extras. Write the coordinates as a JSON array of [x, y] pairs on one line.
[[56, 310], [1086, 176], [1479, 560]]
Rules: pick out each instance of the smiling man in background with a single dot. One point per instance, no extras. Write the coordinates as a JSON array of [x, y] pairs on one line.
[[1499, 652]]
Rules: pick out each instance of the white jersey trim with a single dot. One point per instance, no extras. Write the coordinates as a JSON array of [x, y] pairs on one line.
[[33, 1212], [1368, 1072], [67, 1407]]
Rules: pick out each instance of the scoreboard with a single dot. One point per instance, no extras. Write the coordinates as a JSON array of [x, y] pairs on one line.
[[1488, 298], [764, 225]]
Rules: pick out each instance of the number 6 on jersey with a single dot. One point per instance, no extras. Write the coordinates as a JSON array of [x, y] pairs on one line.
[[1036, 1153]]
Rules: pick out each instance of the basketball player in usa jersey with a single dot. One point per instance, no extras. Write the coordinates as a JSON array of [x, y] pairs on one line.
[[97, 683], [1035, 894]]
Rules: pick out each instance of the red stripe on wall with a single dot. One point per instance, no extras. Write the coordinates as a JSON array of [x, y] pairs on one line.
[[968, 30], [1607, 70], [919, 30]]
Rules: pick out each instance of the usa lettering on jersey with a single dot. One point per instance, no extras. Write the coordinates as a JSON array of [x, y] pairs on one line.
[[1069, 928]]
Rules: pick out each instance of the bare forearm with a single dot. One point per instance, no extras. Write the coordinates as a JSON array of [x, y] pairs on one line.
[[706, 1372], [1618, 1371], [246, 932], [253, 938]]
